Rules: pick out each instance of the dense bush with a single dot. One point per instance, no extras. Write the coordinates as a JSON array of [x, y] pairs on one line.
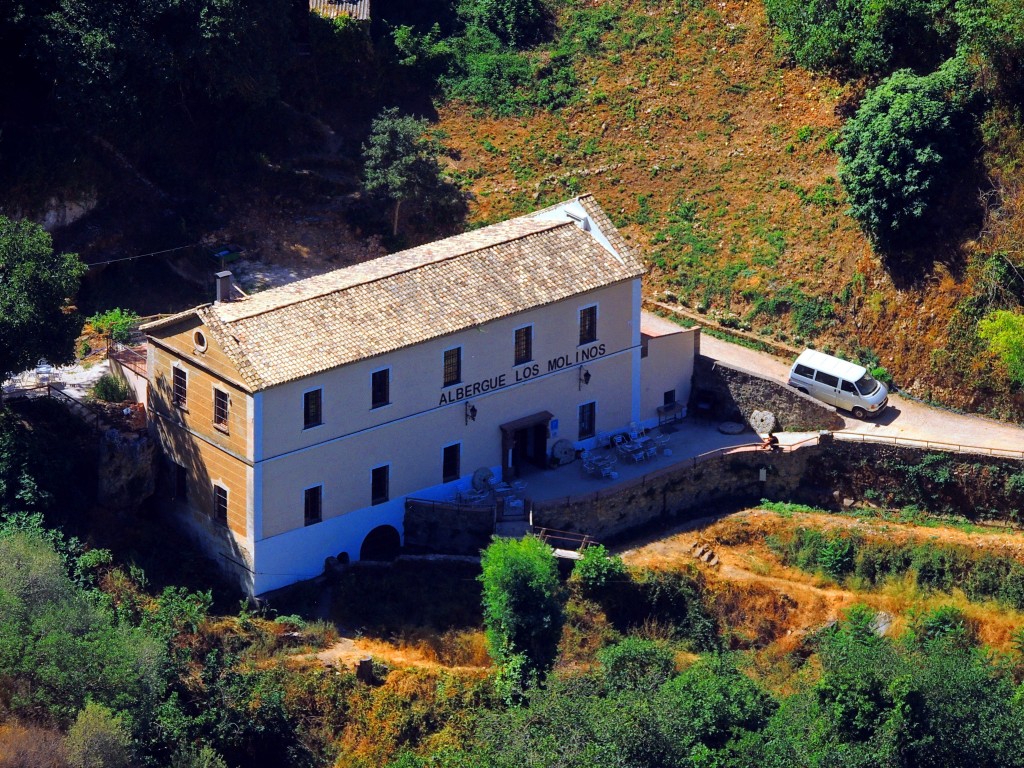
[[636, 664], [1003, 331], [910, 136], [514, 21], [111, 389], [522, 606], [116, 323], [855, 38], [596, 568]]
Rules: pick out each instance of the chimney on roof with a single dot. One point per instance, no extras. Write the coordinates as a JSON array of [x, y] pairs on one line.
[[223, 286], [583, 222]]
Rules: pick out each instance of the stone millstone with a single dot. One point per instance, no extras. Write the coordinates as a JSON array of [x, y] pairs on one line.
[[763, 422], [731, 427]]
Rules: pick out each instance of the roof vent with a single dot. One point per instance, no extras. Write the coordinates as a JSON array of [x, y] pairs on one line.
[[223, 287], [583, 222]]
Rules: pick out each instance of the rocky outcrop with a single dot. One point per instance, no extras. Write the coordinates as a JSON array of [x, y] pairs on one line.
[[127, 471]]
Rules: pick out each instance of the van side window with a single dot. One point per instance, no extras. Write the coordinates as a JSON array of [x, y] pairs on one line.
[[803, 370], [827, 379], [848, 387]]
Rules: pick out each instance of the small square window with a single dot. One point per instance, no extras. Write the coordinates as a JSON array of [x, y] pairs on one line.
[[452, 366], [220, 409], [312, 409], [220, 505], [313, 505], [588, 413], [179, 387], [380, 388], [588, 325], [450, 465], [524, 345], [379, 482], [669, 398]]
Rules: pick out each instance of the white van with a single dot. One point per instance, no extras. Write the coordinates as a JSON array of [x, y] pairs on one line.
[[839, 383]]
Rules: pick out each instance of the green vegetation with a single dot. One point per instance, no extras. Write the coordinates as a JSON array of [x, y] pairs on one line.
[[853, 38], [35, 287], [400, 163], [932, 566], [597, 568], [116, 323], [910, 136], [1004, 333], [111, 389], [522, 609]]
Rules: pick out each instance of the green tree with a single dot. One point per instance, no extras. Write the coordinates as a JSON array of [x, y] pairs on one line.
[[98, 739], [992, 37], [856, 38], [909, 137], [1004, 333], [522, 610], [597, 568], [636, 664], [36, 285], [400, 163], [515, 22]]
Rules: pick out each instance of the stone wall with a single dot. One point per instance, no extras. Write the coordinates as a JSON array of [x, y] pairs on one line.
[[734, 393], [831, 474], [450, 529], [976, 487], [680, 492]]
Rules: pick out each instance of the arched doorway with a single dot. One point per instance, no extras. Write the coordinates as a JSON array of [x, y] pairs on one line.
[[382, 543]]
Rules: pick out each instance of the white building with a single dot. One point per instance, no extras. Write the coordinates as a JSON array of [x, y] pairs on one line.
[[299, 419]]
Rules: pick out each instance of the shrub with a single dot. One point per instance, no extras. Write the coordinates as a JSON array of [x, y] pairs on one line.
[[1004, 333], [98, 739], [856, 38], [522, 611], [116, 323], [111, 389], [514, 21], [596, 568], [909, 135], [636, 665]]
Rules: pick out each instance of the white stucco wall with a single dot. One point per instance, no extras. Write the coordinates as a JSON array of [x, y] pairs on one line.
[[668, 365]]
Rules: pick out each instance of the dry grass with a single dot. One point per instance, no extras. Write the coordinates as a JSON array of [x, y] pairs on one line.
[[717, 120]]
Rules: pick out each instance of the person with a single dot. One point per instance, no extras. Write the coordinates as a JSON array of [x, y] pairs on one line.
[[770, 442]]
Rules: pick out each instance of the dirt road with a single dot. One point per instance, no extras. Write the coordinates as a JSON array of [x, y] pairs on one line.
[[903, 418]]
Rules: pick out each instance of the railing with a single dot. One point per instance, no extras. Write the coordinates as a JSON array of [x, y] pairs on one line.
[[910, 442], [565, 539], [433, 505], [131, 359], [87, 413]]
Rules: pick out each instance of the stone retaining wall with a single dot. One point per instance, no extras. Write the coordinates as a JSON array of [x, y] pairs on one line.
[[734, 393], [831, 475], [450, 529]]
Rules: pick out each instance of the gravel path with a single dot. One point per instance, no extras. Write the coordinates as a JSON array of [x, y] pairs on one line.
[[903, 418]]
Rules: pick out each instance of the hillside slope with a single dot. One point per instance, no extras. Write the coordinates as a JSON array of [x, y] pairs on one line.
[[718, 162]]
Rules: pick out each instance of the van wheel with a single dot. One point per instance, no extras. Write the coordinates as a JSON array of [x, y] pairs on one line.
[[859, 413]]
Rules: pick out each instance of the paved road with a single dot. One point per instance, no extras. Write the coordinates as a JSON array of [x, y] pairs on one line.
[[903, 418]]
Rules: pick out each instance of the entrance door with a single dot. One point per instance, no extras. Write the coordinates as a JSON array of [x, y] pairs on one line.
[[524, 444]]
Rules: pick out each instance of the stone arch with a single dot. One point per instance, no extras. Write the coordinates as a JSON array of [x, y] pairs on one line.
[[382, 543]]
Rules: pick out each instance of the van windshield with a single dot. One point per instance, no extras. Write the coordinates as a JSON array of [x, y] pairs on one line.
[[866, 385]]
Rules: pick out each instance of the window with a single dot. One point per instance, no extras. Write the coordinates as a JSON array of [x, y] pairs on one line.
[[524, 345], [587, 420], [450, 465], [180, 482], [803, 370], [380, 388], [379, 485], [313, 504], [452, 366], [312, 409], [827, 379], [669, 398], [220, 409], [179, 387], [848, 387], [588, 325], [645, 345], [220, 504]]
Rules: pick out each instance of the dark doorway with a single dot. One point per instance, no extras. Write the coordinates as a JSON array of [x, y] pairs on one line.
[[524, 445], [382, 543]]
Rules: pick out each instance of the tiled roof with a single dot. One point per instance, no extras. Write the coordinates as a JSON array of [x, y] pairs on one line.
[[406, 298], [331, 9]]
